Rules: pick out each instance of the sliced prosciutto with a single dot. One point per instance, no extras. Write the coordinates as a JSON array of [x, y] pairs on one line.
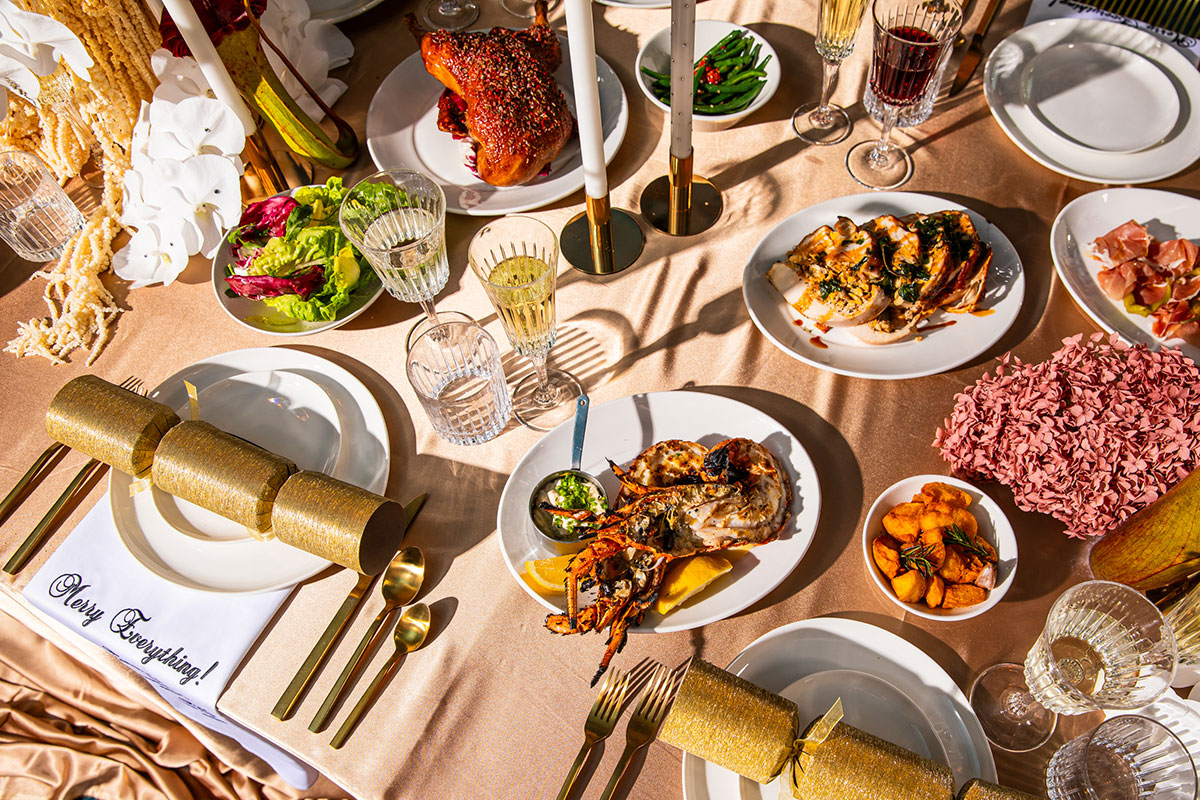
[[1124, 243], [1176, 257]]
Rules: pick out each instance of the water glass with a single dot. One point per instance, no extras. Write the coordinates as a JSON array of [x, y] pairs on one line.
[[456, 372], [397, 220], [36, 216], [1105, 646], [1125, 758]]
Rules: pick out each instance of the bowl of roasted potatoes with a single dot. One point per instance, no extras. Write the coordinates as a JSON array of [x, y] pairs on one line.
[[939, 548]]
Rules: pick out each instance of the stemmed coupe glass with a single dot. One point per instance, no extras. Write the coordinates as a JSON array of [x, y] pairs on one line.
[[453, 15], [397, 220], [1104, 647], [823, 122], [909, 39], [516, 260]]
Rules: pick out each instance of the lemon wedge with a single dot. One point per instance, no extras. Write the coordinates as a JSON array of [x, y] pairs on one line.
[[688, 576], [549, 574]]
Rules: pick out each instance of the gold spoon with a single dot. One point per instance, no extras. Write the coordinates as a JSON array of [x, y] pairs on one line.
[[401, 582], [411, 630]]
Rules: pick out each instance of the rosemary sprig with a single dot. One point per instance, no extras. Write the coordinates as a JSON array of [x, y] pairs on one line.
[[956, 535], [917, 557]]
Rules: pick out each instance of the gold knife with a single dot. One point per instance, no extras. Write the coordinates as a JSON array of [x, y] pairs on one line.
[[316, 659], [974, 52], [47, 524]]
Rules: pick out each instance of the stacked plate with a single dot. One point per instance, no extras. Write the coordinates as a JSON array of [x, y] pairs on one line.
[[292, 403], [1096, 100]]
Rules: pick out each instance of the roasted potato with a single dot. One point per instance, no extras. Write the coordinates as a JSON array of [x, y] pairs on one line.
[[961, 595], [993, 556], [910, 586], [935, 592], [972, 569], [936, 549], [952, 568], [886, 551], [936, 515], [903, 522], [965, 520], [943, 493]]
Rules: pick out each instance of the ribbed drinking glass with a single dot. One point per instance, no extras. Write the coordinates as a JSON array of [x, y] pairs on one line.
[[1125, 758], [456, 372], [36, 216]]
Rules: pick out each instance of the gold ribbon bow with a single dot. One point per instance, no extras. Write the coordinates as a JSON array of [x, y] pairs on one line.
[[802, 749]]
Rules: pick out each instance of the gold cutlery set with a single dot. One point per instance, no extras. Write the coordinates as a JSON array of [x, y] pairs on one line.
[[401, 582], [659, 689]]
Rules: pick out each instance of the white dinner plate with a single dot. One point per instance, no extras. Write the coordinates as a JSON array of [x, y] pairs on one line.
[[1004, 83], [620, 429], [778, 659], [249, 565], [1167, 216], [402, 132], [259, 316], [281, 412], [936, 350], [1071, 88], [340, 10]]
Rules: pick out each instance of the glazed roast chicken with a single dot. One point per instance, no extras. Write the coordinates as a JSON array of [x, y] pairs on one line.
[[501, 94]]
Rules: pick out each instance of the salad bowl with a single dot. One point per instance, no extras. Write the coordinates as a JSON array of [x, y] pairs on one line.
[[261, 316]]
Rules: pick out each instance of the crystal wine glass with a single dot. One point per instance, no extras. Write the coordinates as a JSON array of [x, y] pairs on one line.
[[397, 220], [1125, 758], [453, 15], [910, 37], [516, 260], [1104, 646], [823, 122], [525, 8]]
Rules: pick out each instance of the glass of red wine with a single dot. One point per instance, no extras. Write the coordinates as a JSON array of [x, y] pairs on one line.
[[910, 37]]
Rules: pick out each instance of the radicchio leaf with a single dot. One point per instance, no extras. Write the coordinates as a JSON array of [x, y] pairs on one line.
[[255, 287]]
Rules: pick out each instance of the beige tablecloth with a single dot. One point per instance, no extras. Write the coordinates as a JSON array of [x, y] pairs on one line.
[[493, 706]]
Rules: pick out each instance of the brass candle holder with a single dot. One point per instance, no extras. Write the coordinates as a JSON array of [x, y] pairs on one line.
[[602, 240], [264, 177], [679, 203]]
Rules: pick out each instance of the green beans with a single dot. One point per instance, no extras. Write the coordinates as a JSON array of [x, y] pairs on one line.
[[725, 80]]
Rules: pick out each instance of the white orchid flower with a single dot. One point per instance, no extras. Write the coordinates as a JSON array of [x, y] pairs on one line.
[[139, 146], [313, 46], [194, 126], [178, 78], [204, 191], [153, 255], [19, 79], [39, 42]]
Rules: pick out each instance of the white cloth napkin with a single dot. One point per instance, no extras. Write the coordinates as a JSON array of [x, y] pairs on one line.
[[1063, 9], [185, 642]]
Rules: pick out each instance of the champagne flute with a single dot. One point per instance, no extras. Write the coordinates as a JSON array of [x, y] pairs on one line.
[[516, 259], [397, 220], [453, 15], [910, 37], [823, 122], [1104, 646]]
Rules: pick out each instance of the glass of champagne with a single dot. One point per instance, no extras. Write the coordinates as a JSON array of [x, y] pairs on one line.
[[1125, 758], [453, 15], [823, 122], [909, 39], [1104, 647], [516, 260], [397, 220]]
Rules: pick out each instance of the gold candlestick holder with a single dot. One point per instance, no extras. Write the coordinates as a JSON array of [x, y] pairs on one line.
[[679, 203], [263, 176], [602, 240]]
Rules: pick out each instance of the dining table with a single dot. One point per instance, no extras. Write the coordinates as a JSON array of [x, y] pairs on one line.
[[493, 705]]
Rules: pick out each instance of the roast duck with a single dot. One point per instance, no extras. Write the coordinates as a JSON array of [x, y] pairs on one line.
[[501, 94]]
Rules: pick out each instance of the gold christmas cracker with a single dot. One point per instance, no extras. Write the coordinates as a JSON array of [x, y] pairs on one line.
[[338, 522], [218, 471], [852, 764], [731, 722], [114, 425], [982, 790]]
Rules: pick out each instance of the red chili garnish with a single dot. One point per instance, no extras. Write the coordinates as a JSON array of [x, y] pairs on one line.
[[712, 75]]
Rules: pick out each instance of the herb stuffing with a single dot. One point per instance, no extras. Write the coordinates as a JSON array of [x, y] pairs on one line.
[[290, 253]]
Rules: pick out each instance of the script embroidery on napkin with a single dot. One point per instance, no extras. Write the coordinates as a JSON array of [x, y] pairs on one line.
[[185, 642], [1062, 9]]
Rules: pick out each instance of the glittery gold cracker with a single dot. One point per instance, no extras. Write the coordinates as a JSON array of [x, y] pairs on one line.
[[114, 425], [338, 522], [982, 790]]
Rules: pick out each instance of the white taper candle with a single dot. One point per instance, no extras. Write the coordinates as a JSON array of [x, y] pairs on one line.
[[193, 33], [683, 39], [582, 44]]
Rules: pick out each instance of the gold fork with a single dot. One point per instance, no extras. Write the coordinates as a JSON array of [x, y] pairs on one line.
[[14, 498], [643, 726], [600, 722], [46, 525]]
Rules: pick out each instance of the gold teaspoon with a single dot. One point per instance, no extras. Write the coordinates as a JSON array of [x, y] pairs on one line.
[[411, 630], [401, 582]]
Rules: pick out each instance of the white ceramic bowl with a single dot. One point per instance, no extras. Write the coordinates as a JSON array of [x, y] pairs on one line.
[[993, 526], [656, 55]]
